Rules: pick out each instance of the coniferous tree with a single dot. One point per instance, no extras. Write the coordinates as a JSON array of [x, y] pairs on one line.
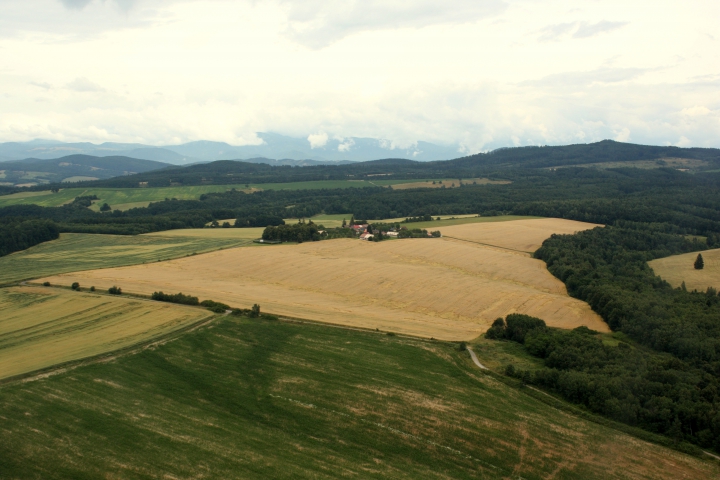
[[699, 262]]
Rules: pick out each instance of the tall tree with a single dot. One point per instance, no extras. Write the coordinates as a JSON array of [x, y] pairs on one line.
[[699, 262]]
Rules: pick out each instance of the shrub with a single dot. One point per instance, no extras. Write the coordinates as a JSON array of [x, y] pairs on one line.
[[92, 289], [215, 307], [75, 286], [115, 290], [46, 284], [255, 311], [175, 298]]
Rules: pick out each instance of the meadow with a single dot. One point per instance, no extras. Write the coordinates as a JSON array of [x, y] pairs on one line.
[[679, 268], [42, 326], [76, 251], [443, 288], [268, 399], [127, 198]]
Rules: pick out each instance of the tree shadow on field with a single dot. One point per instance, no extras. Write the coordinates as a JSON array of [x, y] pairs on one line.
[[235, 377]]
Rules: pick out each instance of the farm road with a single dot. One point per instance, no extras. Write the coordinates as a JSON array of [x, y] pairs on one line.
[[475, 359]]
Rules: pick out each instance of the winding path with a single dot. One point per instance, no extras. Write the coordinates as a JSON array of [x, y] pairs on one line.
[[475, 359]]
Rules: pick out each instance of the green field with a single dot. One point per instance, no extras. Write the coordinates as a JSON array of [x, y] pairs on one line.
[[42, 327], [126, 198], [263, 399], [75, 251]]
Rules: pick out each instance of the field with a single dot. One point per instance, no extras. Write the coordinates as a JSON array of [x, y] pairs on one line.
[[76, 251], [679, 268], [258, 399], [442, 288], [126, 198], [43, 326], [524, 235], [448, 183]]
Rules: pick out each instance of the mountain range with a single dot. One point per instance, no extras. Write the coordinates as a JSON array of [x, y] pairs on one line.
[[275, 149]]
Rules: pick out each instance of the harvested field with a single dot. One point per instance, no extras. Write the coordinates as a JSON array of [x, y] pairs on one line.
[[521, 235], [442, 288], [679, 268], [41, 327]]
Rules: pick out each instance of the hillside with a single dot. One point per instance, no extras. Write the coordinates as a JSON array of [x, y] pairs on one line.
[[71, 168], [500, 164]]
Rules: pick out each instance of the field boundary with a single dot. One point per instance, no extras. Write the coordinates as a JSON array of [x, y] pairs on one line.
[[106, 356], [529, 254]]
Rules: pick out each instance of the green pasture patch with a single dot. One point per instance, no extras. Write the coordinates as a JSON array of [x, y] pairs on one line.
[[266, 399], [76, 251]]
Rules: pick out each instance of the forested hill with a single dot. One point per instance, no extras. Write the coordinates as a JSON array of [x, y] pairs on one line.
[[500, 164], [72, 168], [607, 151]]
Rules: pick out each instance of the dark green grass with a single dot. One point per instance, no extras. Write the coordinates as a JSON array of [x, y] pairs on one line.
[[264, 399]]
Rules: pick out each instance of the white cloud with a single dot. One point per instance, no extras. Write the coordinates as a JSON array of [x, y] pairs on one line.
[[318, 140], [480, 75], [82, 84], [318, 23], [346, 145]]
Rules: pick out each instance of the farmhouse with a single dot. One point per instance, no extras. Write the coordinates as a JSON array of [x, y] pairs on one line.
[[366, 236]]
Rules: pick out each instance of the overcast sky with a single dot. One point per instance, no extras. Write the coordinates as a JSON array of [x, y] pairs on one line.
[[478, 73]]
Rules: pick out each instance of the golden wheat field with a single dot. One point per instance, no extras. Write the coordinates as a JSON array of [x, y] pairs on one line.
[[442, 288], [44, 326], [679, 268], [521, 235]]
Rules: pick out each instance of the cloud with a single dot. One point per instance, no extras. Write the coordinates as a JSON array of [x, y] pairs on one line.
[[318, 23], [586, 30], [601, 75], [578, 30], [43, 85], [82, 84], [318, 140], [75, 4], [346, 145]]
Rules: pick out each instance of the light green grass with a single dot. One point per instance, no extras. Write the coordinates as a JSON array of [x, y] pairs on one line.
[[74, 251], [462, 220], [259, 399], [126, 198]]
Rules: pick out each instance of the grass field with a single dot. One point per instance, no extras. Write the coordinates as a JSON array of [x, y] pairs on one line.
[[679, 268], [259, 399], [126, 198], [442, 288], [75, 251], [42, 326]]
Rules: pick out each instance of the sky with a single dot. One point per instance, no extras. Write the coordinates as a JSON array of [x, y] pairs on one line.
[[479, 74]]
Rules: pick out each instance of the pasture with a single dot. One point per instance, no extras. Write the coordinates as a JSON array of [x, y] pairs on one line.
[[261, 399], [43, 326], [78, 251], [679, 268], [442, 288]]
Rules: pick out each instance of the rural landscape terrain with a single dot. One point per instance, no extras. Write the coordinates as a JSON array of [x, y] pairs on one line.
[[536, 312]]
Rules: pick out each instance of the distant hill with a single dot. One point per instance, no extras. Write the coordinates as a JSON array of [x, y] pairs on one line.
[[71, 168], [274, 148]]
